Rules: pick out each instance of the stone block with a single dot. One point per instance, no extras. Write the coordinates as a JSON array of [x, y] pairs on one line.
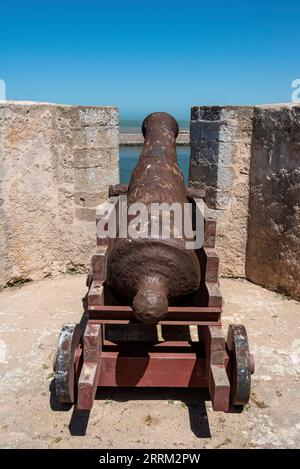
[[273, 248], [220, 161], [44, 226]]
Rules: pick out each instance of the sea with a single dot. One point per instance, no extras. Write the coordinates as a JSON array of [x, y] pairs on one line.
[[129, 155]]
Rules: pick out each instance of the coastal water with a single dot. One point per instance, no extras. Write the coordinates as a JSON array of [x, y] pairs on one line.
[[130, 154]]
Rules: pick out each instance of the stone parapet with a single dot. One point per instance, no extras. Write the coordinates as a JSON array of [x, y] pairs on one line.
[[248, 160], [56, 163]]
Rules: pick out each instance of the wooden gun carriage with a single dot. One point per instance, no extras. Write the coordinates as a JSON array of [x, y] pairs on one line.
[[184, 349]]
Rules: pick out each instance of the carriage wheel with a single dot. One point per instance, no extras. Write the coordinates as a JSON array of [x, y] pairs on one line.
[[64, 367], [240, 364]]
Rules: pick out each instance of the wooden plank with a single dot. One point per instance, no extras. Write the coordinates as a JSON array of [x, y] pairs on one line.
[[171, 309], [218, 383], [214, 294], [176, 315], [154, 370], [209, 291], [99, 263], [107, 211], [162, 323], [214, 344], [96, 294], [219, 388], [139, 332], [89, 376], [153, 344], [210, 223], [212, 265], [210, 228]]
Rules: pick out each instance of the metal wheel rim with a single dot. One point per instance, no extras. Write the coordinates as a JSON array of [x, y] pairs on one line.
[[68, 341], [238, 347]]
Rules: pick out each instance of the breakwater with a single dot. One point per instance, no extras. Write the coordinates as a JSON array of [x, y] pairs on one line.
[[138, 139]]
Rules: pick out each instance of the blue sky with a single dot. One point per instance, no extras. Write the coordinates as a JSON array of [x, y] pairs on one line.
[[150, 55]]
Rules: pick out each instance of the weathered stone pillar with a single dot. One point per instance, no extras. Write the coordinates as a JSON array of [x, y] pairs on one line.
[[56, 163], [220, 160], [273, 250]]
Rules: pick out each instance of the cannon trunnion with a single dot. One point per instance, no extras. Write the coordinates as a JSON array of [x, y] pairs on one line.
[[154, 306]]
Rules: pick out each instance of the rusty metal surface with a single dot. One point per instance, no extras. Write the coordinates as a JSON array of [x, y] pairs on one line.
[[191, 192], [65, 363], [117, 189], [239, 364], [151, 274]]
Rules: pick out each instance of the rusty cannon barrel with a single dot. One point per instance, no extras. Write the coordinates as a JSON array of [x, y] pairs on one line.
[[152, 272]]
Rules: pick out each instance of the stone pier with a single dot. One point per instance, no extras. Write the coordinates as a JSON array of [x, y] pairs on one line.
[[56, 163], [248, 160]]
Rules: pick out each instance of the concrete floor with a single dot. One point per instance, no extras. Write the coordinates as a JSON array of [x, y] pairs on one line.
[[30, 417]]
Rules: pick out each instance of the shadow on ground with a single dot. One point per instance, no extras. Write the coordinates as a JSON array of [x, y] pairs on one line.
[[193, 400]]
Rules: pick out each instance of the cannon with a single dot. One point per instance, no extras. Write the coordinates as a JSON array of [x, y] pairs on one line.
[[172, 271], [154, 303]]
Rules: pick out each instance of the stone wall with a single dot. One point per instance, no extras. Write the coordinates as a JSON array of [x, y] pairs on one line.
[[273, 249], [220, 163], [248, 160], [56, 163]]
